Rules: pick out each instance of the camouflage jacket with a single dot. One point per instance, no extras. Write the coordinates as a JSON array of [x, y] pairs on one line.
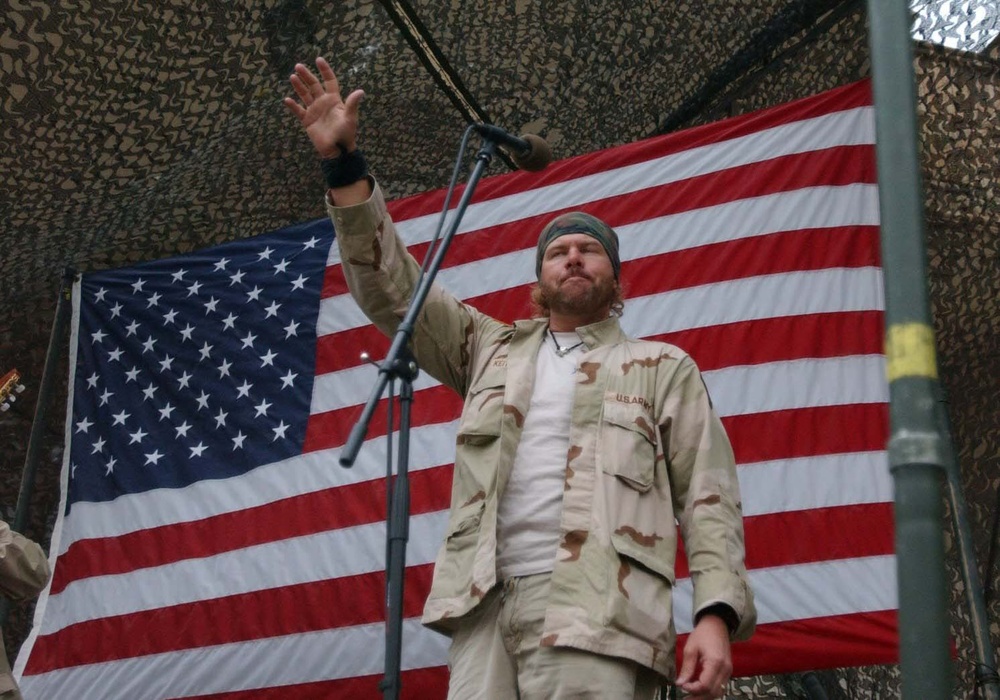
[[646, 452], [24, 571]]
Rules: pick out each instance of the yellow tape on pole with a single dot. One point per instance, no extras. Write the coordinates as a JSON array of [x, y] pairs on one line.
[[909, 351]]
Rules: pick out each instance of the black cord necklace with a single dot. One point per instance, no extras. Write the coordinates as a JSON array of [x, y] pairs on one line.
[[561, 351]]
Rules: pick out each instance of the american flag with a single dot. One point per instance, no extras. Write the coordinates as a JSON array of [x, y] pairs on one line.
[[209, 545]]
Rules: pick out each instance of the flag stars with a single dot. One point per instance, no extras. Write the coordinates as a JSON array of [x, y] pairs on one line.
[[272, 310], [137, 436], [182, 429], [170, 317], [186, 332], [224, 368], [248, 340], [84, 425], [179, 275], [120, 418], [288, 380], [229, 322], [206, 351], [243, 391], [198, 449], [137, 285], [254, 294], [166, 411], [291, 329], [98, 336], [148, 392], [311, 243], [299, 283], [99, 446], [183, 380], [105, 397], [154, 300], [194, 288], [202, 401], [153, 458], [132, 375], [166, 363], [131, 329], [267, 359], [115, 355], [109, 467], [220, 419], [281, 266], [210, 305], [221, 264], [280, 430], [99, 294], [238, 441], [261, 408], [92, 381], [148, 345], [236, 278], [265, 254], [116, 310]]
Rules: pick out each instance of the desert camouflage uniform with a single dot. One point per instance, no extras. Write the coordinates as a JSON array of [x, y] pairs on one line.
[[645, 448], [24, 571]]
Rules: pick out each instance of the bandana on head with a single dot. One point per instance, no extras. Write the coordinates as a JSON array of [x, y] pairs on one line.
[[579, 222]]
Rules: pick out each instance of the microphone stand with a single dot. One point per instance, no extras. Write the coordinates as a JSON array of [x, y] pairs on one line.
[[401, 364]]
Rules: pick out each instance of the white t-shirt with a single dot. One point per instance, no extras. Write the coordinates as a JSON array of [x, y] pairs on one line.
[[531, 505]]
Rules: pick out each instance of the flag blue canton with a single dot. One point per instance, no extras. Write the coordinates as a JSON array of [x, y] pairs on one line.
[[196, 367]]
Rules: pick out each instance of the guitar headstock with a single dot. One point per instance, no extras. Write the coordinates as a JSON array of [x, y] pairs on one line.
[[10, 387]]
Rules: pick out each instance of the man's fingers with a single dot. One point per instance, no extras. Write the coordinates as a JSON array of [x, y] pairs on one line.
[[330, 82], [353, 102], [300, 89], [295, 108], [309, 81]]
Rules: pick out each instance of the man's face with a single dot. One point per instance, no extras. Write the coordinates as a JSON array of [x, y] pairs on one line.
[[576, 277]]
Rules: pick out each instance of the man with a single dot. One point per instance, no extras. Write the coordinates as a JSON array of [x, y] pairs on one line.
[[24, 571], [578, 451]]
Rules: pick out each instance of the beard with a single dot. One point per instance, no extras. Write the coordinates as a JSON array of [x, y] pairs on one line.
[[572, 298]]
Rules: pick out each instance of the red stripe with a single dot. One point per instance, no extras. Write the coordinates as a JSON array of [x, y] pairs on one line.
[[859, 639], [807, 432], [259, 614], [862, 530], [416, 684], [330, 509], [845, 165], [838, 100]]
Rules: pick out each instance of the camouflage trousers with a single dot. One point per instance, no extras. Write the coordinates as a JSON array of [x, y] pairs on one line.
[[495, 655]]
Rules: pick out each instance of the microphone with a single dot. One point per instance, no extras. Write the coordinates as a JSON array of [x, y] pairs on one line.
[[529, 152]]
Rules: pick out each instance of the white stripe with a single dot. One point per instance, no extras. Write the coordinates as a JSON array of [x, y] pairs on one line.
[[826, 481], [855, 379], [308, 473], [769, 296], [260, 663], [779, 386], [782, 594], [801, 591], [333, 554], [846, 128], [816, 207]]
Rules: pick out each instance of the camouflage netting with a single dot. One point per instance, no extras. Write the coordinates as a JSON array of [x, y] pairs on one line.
[[135, 132]]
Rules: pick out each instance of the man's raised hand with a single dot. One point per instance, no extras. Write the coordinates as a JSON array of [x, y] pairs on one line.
[[330, 122]]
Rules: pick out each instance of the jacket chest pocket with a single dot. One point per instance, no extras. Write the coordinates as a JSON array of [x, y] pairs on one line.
[[628, 444], [483, 412]]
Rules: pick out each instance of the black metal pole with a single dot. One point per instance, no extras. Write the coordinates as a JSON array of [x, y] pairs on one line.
[[400, 363]]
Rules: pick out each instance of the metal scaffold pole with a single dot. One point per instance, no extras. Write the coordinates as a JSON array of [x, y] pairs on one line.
[[916, 446]]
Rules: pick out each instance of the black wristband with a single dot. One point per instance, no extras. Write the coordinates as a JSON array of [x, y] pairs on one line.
[[345, 169]]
